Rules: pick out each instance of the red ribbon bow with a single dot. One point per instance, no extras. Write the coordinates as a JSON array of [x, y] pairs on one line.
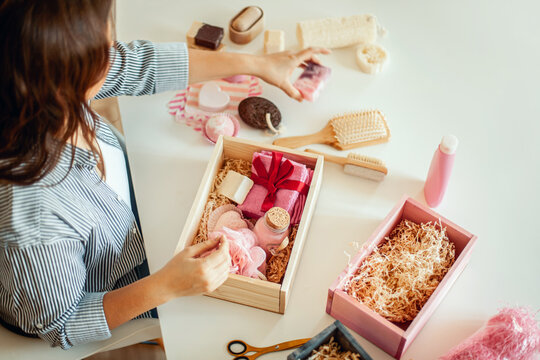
[[275, 179]]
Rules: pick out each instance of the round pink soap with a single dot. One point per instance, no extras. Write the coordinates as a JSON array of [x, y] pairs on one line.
[[220, 124]]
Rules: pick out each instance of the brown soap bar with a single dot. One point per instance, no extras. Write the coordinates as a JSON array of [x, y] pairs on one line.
[[209, 36]]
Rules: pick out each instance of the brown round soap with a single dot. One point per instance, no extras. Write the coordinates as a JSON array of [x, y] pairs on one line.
[[253, 112]]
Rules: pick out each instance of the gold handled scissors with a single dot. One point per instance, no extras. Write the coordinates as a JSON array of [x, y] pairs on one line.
[[245, 348]]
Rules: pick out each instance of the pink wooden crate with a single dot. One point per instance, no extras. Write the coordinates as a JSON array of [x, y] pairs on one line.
[[395, 338]]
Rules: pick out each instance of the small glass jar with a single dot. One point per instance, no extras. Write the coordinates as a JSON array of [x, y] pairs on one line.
[[272, 230]]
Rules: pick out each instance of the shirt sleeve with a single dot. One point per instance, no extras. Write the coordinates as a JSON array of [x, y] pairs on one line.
[[144, 68], [47, 286]]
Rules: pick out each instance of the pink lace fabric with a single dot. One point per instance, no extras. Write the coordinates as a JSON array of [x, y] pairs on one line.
[[512, 334], [184, 105], [246, 256]]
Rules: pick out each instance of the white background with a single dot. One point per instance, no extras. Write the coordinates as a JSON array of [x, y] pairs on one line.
[[469, 68]]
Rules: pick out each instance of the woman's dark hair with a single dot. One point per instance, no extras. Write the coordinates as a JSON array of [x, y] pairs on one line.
[[51, 53]]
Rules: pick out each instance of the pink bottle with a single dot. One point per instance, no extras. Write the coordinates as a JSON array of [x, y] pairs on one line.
[[440, 170], [272, 230]]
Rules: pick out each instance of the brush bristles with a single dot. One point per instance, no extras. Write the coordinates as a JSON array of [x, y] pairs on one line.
[[359, 127], [364, 172], [365, 159]]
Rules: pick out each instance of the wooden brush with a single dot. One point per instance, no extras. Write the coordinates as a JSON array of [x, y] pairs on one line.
[[357, 165], [345, 132]]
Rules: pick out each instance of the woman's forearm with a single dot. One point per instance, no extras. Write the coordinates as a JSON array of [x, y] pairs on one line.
[[122, 305], [207, 65], [276, 69], [187, 273]]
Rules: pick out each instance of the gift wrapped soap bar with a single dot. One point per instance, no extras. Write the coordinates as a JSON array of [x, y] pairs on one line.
[[278, 182]]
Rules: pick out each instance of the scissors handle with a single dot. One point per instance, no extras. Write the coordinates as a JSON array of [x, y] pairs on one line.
[[286, 345], [241, 355]]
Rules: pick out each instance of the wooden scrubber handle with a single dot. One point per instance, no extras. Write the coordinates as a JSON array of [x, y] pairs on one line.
[[297, 141], [332, 158]]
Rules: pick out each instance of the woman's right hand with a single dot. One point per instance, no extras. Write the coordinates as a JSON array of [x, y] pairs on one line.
[[190, 273]]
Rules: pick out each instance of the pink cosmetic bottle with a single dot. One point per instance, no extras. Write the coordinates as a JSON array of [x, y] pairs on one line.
[[272, 230], [440, 170]]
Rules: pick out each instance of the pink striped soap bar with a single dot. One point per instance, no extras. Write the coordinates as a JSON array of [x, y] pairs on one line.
[[312, 80]]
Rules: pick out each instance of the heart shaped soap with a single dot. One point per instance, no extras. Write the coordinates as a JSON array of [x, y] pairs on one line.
[[212, 99], [232, 220]]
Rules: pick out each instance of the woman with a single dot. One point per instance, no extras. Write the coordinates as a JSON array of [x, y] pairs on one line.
[[72, 261]]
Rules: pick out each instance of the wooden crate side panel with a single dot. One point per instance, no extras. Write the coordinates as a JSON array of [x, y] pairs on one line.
[[366, 323], [239, 149], [252, 292], [419, 213], [192, 222], [244, 149], [283, 297]]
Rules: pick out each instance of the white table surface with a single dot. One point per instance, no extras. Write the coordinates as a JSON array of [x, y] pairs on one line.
[[461, 67]]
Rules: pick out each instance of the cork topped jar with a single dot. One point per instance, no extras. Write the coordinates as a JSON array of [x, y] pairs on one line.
[[272, 230]]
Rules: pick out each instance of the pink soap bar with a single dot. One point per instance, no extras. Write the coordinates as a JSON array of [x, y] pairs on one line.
[[312, 80], [251, 207]]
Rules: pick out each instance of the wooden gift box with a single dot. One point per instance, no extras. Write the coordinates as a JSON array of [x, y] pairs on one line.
[[258, 293], [340, 334], [395, 338]]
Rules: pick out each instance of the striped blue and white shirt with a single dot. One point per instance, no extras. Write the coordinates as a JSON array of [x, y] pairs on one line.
[[68, 239]]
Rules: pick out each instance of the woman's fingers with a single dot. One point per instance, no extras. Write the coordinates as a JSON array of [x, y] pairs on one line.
[[291, 91], [306, 55], [220, 255], [217, 281], [309, 53], [315, 59], [223, 269], [218, 275], [200, 248]]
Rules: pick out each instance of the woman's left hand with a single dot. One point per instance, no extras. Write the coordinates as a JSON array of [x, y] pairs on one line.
[[276, 69]]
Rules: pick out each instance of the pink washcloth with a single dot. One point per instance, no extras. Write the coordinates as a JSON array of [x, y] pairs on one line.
[[298, 208], [246, 256], [253, 204]]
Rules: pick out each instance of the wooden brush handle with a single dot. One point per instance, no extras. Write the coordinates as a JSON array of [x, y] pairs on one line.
[[332, 158], [297, 141]]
